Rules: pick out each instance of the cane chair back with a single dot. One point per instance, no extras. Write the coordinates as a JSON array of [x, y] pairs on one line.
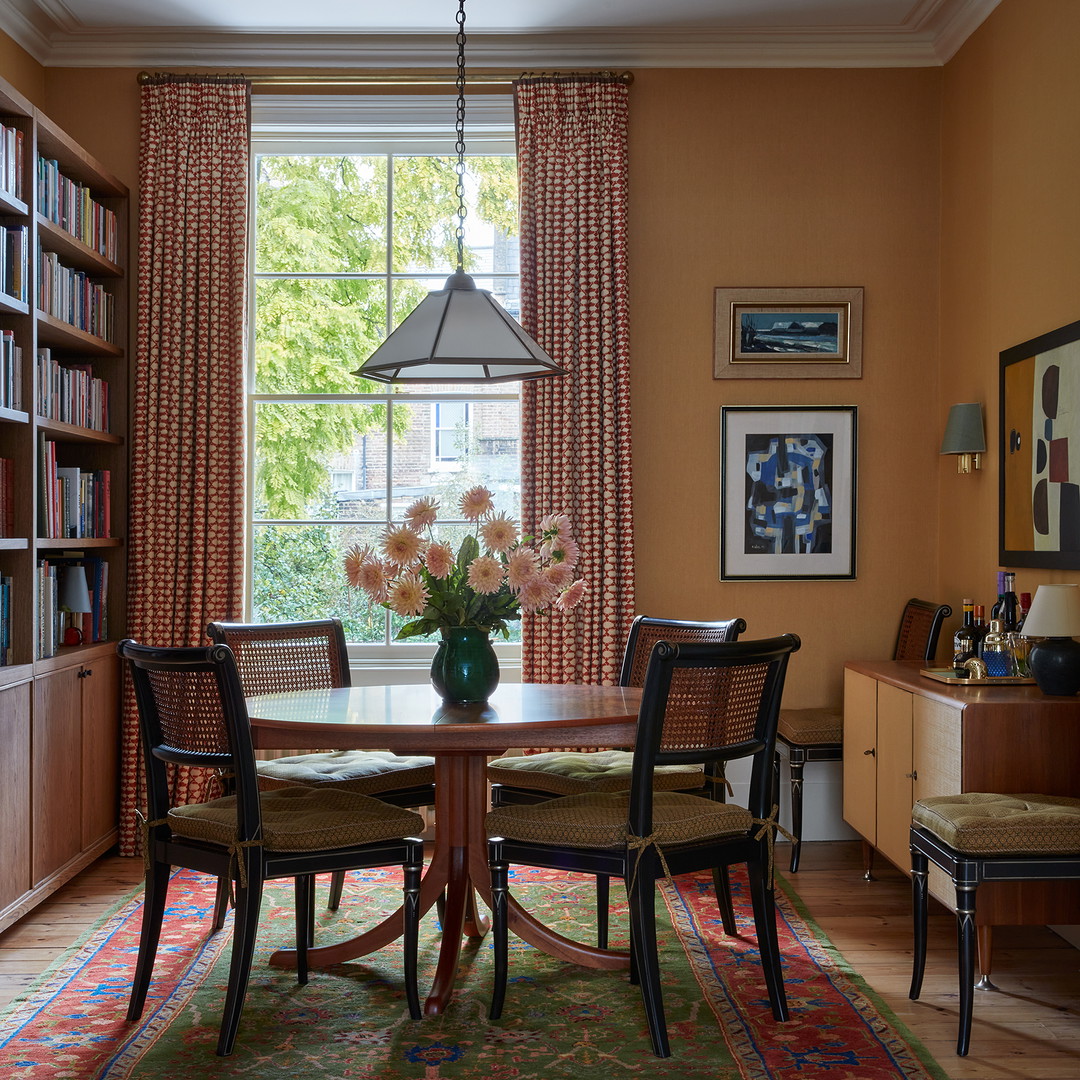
[[704, 704], [192, 712], [276, 658]]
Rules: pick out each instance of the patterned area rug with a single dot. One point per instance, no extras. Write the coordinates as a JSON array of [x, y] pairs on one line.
[[559, 1021]]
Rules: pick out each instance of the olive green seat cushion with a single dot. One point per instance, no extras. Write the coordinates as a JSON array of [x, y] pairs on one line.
[[364, 772], [811, 727], [600, 820], [300, 819], [981, 823], [569, 772]]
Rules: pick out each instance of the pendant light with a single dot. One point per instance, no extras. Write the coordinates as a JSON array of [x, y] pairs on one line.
[[459, 333]]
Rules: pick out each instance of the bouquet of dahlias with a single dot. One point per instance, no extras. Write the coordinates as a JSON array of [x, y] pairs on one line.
[[496, 574]]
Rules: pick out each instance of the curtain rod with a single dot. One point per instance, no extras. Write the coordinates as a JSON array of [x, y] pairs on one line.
[[370, 78]]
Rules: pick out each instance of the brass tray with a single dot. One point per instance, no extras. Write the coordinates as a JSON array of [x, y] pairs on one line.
[[947, 675]]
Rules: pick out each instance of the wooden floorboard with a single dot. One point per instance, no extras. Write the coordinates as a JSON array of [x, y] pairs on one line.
[[1027, 1029]]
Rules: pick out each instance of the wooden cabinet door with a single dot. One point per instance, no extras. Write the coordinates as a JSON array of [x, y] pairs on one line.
[[100, 748], [14, 793], [894, 774], [56, 746], [860, 750]]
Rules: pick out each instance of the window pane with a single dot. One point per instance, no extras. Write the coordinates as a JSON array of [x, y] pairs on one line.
[[426, 215], [324, 214], [486, 448], [312, 334], [299, 573], [300, 447]]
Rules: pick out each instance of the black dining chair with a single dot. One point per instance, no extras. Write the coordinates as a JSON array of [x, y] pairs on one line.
[[534, 777], [701, 704], [818, 734], [191, 712], [278, 657]]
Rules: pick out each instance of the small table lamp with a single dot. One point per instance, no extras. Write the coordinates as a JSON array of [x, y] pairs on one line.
[[74, 597], [1055, 616]]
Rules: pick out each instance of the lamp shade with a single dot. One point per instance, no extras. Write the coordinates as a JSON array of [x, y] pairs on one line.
[[458, 334], [964, 430], [74, 595], [1055, 612], [1055, 618]]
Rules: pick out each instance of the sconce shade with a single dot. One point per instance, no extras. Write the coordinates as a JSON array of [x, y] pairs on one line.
[[1055, 661], [74, 595], [458, 334], [964, 430]]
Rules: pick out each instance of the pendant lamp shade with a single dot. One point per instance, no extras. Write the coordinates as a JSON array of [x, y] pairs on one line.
[[458, 334]]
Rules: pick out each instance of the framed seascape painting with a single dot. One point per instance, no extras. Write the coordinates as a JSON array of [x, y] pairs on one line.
[[787, 492], [788, 334], [1039, 447]]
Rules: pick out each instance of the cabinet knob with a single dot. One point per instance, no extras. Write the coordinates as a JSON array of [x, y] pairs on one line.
[[85, 673], [869, 753], [911, 776]]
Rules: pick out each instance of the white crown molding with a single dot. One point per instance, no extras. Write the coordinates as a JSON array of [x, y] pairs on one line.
[[929, 37]]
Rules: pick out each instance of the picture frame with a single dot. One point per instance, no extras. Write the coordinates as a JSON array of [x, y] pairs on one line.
[[794, 333], [788, 492], [1039, 452]]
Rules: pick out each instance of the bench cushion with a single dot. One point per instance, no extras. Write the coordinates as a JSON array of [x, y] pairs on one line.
[[365, 772], [983, 823]]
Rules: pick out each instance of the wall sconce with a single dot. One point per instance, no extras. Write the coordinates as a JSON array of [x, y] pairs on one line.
[[964, 435]]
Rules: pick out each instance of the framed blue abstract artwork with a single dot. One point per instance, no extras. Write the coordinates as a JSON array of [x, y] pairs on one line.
[[787, 492]]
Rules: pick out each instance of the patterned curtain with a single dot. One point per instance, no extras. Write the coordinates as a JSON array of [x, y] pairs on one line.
[[186, 556], [572, 164]]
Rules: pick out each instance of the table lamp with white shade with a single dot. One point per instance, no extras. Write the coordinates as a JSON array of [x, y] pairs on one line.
[[1055, 617]]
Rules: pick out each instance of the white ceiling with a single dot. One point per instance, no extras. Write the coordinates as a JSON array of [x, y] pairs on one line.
[[501, 33]]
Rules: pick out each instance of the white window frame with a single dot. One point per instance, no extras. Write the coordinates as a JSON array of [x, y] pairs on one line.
[[315, 124]]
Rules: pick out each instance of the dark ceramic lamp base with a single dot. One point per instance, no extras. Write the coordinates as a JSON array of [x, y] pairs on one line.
[[1055, 666]]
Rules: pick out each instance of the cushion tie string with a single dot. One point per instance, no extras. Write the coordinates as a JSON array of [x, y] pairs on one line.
[[144, 833], [771, 827], [721, 780], [640, 843]]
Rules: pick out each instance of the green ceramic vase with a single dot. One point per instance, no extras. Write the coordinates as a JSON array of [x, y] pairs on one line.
[[465, 668]]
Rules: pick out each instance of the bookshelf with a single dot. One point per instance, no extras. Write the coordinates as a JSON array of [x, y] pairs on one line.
[[63, 501]]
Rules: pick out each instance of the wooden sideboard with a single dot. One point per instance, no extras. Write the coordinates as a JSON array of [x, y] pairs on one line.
[[907, 737]]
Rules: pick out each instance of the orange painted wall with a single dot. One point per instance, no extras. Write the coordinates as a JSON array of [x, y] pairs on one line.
[[1010, 242], [20, 69], [948, 194], [784, 178]]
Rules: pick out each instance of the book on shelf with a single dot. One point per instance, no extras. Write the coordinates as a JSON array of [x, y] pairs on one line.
[[71, 393], [10, 371], [74, 502], [5, 620], [70, 204], [7, 497], [93, 625], [72, 296], [12, 160], [14, 261]]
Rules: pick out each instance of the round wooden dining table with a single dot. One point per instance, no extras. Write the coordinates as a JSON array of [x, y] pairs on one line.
[[412, 719]]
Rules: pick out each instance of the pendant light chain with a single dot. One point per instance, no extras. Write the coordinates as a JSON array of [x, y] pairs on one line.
[[460, 146]]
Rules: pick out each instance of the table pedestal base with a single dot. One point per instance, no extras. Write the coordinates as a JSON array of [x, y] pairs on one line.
[[459, 867]]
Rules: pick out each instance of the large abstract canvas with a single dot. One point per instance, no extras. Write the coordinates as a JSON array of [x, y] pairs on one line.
[[1039, 520], [787, 492]]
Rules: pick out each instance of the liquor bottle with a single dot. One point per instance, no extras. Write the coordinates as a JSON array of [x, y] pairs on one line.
[[1010, 605], [1025, 607], [995, 611], [980, 627], [965, 640], [996, 653]]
